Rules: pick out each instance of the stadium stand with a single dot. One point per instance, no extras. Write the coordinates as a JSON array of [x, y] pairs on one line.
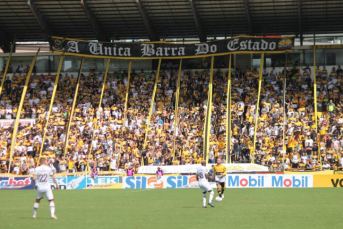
[[121, 140], [120, 136]]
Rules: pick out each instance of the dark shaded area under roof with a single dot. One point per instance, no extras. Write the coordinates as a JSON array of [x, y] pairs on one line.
[[34, 20]]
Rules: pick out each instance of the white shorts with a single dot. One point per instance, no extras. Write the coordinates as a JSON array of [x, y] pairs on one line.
[[205, 187], [220, 179], [44, 191]]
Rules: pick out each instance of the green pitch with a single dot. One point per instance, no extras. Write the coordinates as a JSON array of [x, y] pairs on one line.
[[175, 208]]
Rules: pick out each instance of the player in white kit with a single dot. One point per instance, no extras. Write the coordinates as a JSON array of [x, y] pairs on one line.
[[202, 177], [41, 177]]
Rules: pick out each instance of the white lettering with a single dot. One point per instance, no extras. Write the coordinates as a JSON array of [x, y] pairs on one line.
[[127, 51], [232, 45], [249, 44], [166, 51], [181, 51], [119, 51], [95, 48], [213, 48], [108, 51], [272, 45], [243, 45], [264, 45], [159, 51], [201, 49], [73, 46], [115, 50], [256, 46], [173, 51], [147, 50]]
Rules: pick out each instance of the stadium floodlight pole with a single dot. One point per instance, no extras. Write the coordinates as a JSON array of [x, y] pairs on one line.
[[152, 103], [177, 95], [7, 65], [23, 95], [73, 107], [97, 114], [258, 104], [284, 115], [228, 114], [207, 129], [51, 103]]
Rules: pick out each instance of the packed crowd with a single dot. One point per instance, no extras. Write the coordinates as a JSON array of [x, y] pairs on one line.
[[119, 138]]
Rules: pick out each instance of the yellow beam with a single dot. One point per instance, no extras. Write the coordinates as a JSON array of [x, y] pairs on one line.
[[97, 114], [228, 114], [73, 107], [315, 88], [258, 104], [284, 112], [7, 64], [152, 103], [51, 103], [177, 95], [23, 95], [207, 129], [127, 93]]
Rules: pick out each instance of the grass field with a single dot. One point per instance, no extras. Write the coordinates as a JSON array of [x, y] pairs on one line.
[[175, 208]]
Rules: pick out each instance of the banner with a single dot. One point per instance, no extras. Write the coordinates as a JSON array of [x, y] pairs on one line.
[[245, 44], [82, 182], [16, 183], [328, 181], [147, 182], [104, 182], [186, 169], [6, 123], [269, 181]]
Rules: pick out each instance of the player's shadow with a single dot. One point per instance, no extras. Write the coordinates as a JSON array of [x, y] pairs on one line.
[[189, 207], [28, 218]]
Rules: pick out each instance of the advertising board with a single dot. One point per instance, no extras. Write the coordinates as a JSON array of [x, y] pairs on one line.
[[16, 183], [328, 181], [269, 181], [146, 182]]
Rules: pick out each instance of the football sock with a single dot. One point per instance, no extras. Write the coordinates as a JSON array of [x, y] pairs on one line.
[[204, 199], [223, 191], [52, 208], [220, 194], [35, 208], [211, 196]]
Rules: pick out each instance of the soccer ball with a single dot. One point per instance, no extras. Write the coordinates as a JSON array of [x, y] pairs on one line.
[[218, 199]]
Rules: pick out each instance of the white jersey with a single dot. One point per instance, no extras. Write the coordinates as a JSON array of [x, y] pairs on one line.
[[201, 174], [43, 174], [203, 182]]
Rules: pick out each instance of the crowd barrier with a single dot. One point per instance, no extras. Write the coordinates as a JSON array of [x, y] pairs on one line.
[[177, 181]]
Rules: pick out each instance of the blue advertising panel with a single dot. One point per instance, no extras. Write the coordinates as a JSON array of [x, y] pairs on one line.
[[16, 183]]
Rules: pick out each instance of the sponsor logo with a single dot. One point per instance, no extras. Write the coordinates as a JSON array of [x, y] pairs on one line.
[[61, 181], [269, 181], [101, 181], [330, 181], [157, 183], [235, 181], [163, 182], [16, 183], [279, 181], [337, 183], [181, 181]]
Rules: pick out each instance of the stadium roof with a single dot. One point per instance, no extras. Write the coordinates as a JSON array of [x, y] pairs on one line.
[[33, 20]]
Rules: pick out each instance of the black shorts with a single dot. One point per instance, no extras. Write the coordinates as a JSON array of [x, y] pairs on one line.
[[221, 184]]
